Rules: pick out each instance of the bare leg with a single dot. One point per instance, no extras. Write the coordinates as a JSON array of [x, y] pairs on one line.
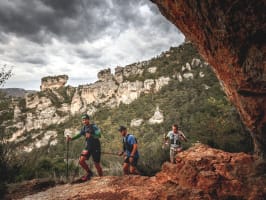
[[99, 168], [172, 156], [83, 164], [133, 170], [125, 168]]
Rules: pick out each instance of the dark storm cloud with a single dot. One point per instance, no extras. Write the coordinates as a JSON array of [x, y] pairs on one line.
[[49, 37], [3, 38], [72, 20], [81, 53], [38, 20], [28, 56], [32, 60]]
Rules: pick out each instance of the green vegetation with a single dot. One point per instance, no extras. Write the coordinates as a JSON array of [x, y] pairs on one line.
[[203, 114], [58, 96], [5, 74], [5, 115]]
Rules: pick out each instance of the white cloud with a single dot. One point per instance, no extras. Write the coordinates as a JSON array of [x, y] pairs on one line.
[[120, 42]]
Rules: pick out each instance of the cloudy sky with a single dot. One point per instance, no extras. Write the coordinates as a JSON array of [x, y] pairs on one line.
[[79, 37]]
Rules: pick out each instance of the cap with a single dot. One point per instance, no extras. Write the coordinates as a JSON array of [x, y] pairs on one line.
[[121, 128], [85, 116]]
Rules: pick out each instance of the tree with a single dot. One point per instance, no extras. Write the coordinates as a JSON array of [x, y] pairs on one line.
[[4, 74]]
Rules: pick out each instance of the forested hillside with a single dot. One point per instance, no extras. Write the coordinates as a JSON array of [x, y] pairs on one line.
[[193, 98]]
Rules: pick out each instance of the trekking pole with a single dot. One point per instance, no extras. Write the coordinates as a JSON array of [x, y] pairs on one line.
[[110, 153], [67, 160]]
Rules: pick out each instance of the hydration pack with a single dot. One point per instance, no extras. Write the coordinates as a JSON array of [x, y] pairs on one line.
[[126, 145], [175, 139], [96, 131]]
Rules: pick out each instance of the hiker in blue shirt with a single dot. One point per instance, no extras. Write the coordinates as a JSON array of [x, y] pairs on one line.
[[93, 148], [130, 152]]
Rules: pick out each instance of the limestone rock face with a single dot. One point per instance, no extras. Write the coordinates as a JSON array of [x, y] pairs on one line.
[[133, 69], [195, 62], [152, 69], [148, 85], [136, 122], [119, 74], [48, 137], [56, 103], [76, 103], [105, 75], [41, 119], [231, 37], [51, 82], [17, 112], [157, 118], [53, 106], [97, 93], [161, 82], [129, 91], [45, 140], [188, 75]]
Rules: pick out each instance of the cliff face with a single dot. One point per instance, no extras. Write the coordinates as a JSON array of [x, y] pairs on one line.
[[200, 173], [112, 90], [37, 113], [231, 37], [53, 82]]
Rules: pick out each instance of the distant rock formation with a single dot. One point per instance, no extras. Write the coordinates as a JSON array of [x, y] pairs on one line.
[[157, 118], [53, 82], [53, 107], [105, 75], [16, 92], [136, 122]]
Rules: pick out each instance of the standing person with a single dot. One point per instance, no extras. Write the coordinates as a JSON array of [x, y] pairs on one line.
[[130, 151], [175, 136], [93, 148]]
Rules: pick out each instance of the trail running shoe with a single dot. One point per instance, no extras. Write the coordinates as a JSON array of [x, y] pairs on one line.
[[90, 174], [85, 178]]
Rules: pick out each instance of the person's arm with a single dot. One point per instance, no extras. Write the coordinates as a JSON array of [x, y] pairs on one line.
[[166, 138], [78, 135], [123, 151], [132, 154], [183, 136], [135, 147], [132, 141], [88, 135]]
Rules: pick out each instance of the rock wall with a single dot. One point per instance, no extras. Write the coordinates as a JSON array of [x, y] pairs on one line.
[[230, 35], [53, 82]]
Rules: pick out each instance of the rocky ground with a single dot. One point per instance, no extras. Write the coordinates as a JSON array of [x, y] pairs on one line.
[[201, 172]]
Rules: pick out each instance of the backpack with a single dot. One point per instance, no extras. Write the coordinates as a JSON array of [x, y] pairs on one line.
[[173, 141], [96, 131], [126, 145]]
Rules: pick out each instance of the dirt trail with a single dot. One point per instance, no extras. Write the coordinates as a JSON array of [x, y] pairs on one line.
[[201, 172]]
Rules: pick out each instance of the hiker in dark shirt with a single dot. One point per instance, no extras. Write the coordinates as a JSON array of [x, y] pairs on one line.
[[93, 148], [130, 152]]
